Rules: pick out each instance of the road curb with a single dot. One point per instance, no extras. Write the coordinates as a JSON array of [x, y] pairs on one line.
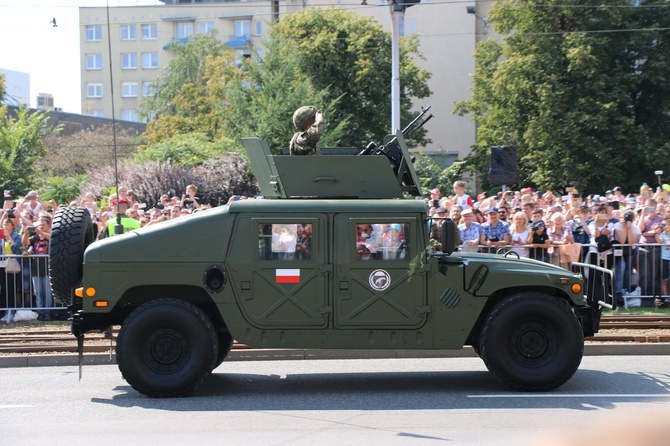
[[258, 354]]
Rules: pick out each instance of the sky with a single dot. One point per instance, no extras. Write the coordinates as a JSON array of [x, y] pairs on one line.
[[50, 55]]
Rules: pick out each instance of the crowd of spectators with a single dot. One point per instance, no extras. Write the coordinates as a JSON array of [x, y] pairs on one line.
[[24, 250], [25, 227], [135, 214], [628, 233]]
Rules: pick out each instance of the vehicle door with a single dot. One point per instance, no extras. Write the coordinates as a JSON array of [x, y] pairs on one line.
[[380, 273], [280, 271]]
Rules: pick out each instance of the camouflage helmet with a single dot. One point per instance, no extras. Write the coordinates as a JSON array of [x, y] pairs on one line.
[[304, 117]]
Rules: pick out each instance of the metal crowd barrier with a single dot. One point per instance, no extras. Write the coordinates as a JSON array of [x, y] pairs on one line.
[[17, 289], [637, 275], [637, 267]]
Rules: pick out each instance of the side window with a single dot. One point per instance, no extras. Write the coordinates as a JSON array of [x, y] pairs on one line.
[[382, 241], [282, 241]]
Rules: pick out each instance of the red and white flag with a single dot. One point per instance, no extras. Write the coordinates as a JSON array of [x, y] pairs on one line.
[[287, 276]]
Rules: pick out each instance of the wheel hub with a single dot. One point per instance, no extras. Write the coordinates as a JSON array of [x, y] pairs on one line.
[[167, 350], [533, 344]]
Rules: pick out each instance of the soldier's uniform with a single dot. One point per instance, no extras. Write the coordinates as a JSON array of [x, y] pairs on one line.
[[304, 141]]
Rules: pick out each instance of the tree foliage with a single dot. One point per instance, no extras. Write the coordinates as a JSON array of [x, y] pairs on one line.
[[578, 87], [81, 152], [186, 70], [191, 149], [269, 91], [20, 146], [3, 89], [348, 56], [62, 189], [217, 179]]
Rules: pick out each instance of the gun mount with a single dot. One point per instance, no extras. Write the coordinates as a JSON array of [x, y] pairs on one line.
[[333, 175], [337, 174]]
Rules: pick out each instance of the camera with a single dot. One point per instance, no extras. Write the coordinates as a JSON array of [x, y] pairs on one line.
[[628, 216], [9, 194], [494, 239], [31, 230], [10, 213]]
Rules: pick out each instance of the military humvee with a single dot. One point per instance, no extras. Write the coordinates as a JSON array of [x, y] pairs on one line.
[[335, 257]]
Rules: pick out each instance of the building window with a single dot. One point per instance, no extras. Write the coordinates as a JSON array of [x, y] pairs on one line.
[[93, 33], [149, 60], [205, 27], [285, 241], [129, 89], [242, 27], [382, 241], [97, 113], [94, 61], [45, 101], [129, 61], [150, 32], [128, 32], [93, 90], [184, 30], [258, 27], [129, 115], [147, 89]]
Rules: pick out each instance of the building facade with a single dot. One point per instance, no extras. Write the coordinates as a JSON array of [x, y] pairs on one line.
[[17, 85], [140, 39]]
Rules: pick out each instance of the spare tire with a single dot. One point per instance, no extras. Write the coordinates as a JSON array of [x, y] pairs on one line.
[[71, 233]]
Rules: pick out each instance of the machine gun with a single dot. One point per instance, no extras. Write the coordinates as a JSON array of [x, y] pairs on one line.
[[391, 149]]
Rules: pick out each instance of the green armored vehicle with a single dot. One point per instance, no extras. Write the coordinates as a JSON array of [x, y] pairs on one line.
[[335, 257]]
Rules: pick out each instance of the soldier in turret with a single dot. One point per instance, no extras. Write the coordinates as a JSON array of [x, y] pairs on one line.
[[309, 123]]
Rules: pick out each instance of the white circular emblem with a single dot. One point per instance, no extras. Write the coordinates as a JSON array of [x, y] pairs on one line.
[[379, 280]]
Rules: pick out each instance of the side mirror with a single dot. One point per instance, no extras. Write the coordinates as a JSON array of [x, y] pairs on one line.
[[448, 236]]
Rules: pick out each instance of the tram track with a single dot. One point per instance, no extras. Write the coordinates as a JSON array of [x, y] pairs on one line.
[[32, 340]]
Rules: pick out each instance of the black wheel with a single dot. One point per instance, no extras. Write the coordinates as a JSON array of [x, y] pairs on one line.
[[71, 233], [166, 348], [225, 345], [532, 342]]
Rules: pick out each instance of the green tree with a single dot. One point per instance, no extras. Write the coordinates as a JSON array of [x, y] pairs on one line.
[[80, 152], [61, 189], [348, 56], [190, 149], [2, 86], [185, 70], [577, 87], [20, 146], [263, 101]]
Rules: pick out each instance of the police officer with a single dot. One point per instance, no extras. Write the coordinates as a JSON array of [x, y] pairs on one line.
[[309, 123]]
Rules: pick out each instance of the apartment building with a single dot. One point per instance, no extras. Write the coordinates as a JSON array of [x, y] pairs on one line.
[[140, 40]]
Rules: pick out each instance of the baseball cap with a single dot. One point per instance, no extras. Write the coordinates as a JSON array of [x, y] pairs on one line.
[[435, 191], [492, 210]]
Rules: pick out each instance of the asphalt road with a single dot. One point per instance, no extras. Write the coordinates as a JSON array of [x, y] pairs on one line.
[[331, 402]]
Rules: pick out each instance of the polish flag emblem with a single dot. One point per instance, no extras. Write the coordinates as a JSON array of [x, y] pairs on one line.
[[287, 276]]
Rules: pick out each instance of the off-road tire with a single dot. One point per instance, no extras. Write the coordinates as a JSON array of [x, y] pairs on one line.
[[225, 345], [71, 233], [532, 342], [166, 348]]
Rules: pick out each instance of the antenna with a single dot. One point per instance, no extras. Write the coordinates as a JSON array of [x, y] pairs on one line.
[[118, 228]]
